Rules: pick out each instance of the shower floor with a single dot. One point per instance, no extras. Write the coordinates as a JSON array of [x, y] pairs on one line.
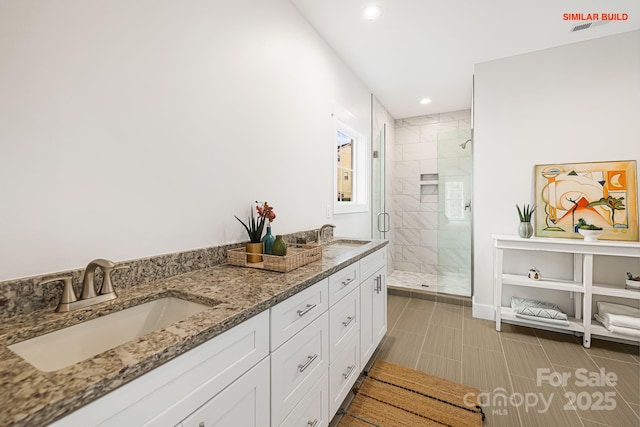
[[448, 283]]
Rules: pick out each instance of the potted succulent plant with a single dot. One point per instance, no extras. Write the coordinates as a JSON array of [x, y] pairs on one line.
[[525, 230], [254, 230], [590, 232]]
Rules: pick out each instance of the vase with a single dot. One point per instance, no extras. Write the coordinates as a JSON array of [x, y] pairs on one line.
[[526, 230], [279, 246], [254, 248], [268, 240]]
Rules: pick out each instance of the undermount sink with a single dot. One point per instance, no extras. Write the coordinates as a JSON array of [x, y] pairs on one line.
[[65, 347], [349, 242], [341, 242]]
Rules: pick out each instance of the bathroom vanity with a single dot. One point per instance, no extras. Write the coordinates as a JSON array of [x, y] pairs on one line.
[[273, 349]]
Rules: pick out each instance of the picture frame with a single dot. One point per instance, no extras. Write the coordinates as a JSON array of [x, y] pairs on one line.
[[603, 194]]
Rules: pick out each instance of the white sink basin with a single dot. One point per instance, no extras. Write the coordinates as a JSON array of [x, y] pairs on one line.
[[62, 348], [348, 243]]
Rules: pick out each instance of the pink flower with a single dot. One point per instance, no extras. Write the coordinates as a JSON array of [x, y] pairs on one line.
[[266, 211]]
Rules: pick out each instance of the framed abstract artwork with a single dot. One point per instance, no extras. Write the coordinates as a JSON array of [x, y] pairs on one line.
[[603, 194]]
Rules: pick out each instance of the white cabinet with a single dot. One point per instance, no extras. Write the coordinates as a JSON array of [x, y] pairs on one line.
[[581, 285], [293, 314], [344, 322], [343, 282], [312, 411], [370, 264], [343, 372], [244, 403], [379, 315], [297, 365], [165, 395], [373, 304]]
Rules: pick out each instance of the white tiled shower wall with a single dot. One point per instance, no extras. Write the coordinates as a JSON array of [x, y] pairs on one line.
[[415, 215]]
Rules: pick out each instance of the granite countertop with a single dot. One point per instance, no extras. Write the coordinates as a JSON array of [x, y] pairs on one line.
[[31, 397]]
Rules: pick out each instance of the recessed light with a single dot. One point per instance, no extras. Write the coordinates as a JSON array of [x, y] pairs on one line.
[[371, 13], [425, 101]]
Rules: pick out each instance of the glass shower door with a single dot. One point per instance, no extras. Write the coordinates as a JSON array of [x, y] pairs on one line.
[[454, 212], [380, 217]]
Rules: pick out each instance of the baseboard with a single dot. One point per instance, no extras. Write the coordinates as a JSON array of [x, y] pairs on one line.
[[429, 295], [482, 311]]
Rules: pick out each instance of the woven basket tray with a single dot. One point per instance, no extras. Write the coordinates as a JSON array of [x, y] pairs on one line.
[[296, 256]]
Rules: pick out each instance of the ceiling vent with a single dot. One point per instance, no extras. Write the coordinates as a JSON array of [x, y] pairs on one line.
[[586, 25]]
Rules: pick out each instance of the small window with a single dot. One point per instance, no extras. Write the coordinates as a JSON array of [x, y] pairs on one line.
[[344, 167], [350, 171]]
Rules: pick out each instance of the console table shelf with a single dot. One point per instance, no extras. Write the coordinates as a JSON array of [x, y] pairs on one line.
[[559, 285], [581, 286]]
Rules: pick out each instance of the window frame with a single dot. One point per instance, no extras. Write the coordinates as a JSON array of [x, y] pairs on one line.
[[359, 176]]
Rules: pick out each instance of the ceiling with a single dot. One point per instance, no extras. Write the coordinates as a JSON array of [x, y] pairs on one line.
[[428, 48]]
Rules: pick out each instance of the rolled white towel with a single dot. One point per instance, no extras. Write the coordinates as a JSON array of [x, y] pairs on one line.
[[622, 321], [618, 315], [618, 329]]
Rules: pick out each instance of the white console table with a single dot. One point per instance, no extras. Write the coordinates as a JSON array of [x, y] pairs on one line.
[[582, 284]]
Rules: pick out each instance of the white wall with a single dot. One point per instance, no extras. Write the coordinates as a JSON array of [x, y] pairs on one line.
[[129, 129], [576, 103]]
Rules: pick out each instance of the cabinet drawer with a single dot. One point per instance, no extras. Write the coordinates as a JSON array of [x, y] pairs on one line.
[[343, 373], [344, 321], [297, 365], [372, 263], [292, 315], [313, 409], [343, 282], [244, 403]]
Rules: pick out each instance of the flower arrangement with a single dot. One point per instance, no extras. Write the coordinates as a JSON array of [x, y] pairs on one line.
[[526, 212], [266, 211], [256, 225]]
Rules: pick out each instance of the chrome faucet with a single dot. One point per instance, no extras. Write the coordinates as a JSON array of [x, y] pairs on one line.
[[320, 236], [69, 301]]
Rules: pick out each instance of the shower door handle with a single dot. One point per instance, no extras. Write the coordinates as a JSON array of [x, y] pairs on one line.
[[385, 222], [468, 206]]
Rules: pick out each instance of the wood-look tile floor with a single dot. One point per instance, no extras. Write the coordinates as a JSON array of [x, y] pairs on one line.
[[520, 368]]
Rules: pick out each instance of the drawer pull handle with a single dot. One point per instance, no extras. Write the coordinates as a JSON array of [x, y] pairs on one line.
[[349, 370], [378, 280], [313, 423], [349, 280], [349, 320], [310, 360], [307, 309]]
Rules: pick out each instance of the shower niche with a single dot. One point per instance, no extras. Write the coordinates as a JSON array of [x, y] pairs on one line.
[[428, 185]]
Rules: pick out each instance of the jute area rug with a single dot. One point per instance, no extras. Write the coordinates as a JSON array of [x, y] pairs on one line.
[[394, 396]]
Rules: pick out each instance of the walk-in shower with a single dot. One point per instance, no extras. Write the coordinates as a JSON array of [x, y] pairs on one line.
[[433, 226]]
